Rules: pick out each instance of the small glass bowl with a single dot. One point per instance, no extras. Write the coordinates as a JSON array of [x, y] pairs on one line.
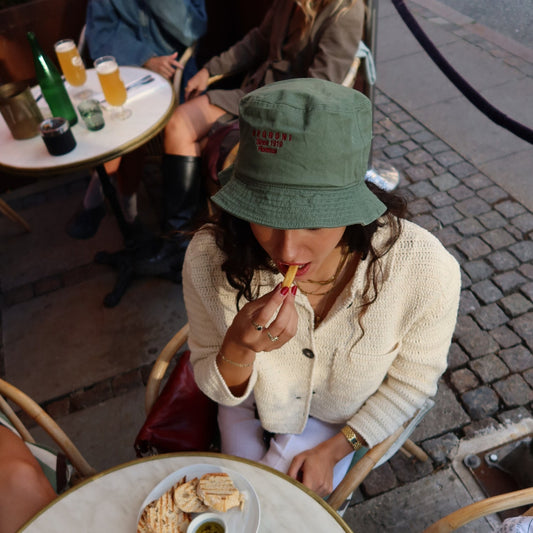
[[203, 519]]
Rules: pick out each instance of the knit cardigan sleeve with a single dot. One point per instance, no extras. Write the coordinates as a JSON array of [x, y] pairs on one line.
[[430, 312], [211, 308]]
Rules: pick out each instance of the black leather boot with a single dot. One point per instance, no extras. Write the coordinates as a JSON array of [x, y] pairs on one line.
[[181, 201]]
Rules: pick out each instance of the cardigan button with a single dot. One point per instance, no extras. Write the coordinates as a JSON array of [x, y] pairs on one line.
[[308, 353]]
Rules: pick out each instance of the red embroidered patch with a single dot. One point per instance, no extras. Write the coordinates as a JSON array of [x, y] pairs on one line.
[[270, 141]]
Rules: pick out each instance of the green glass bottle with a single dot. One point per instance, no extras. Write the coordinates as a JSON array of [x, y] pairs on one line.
[[52, 86]]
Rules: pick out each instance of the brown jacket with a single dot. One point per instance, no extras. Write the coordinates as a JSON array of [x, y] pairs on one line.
[[275, 50]]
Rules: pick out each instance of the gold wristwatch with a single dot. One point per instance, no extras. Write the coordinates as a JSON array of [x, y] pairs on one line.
[[351, 437]]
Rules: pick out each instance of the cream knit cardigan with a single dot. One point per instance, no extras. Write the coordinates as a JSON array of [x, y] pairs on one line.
[[373, 382]]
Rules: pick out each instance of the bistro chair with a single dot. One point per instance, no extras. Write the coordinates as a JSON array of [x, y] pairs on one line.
[[7, 391], [488, 506], [376, 456]]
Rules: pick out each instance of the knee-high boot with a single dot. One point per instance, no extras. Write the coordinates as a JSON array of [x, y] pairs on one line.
[[181, 191], [181, 201]]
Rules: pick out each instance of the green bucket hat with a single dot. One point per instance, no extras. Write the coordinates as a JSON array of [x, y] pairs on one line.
[[302, 159]]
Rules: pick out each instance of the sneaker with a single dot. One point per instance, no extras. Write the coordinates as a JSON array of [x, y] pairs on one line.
[[84, 223]]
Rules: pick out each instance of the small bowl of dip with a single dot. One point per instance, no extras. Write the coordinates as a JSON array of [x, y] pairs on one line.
[[207, 523]]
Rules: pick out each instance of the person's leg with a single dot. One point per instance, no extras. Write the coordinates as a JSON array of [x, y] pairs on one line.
[[241, 433], [24, 489], [283, 447], [181, 173]]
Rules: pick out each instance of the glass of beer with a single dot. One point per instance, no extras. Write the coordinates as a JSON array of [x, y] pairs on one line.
[[72, 66], [112, 85]]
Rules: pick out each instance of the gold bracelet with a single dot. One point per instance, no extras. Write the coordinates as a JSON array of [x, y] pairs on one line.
[[240, 365], [351, 437]]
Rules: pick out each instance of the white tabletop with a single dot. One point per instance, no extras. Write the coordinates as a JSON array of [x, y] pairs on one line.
[[110, 502], [151, 106]]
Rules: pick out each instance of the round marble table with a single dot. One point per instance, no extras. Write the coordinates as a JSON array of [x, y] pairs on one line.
[[110, 501], [151, 105]]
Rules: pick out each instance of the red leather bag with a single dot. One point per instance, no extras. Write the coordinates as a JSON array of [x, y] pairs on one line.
[[182, 419]]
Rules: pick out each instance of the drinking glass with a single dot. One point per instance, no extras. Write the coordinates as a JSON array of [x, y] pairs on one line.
[[112, 86], [72, 66]]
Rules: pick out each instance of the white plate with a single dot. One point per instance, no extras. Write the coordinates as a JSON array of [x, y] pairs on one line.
[[245, 521]]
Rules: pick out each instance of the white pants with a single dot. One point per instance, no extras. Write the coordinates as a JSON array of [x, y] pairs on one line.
[[242, 435]]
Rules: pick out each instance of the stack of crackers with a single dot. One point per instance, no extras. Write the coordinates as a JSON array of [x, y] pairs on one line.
[[171, 513]]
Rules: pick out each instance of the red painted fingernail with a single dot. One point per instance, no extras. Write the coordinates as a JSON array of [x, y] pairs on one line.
[[284, 290], [294, 288]]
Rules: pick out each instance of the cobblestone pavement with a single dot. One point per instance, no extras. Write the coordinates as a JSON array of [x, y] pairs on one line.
[[490, 364]]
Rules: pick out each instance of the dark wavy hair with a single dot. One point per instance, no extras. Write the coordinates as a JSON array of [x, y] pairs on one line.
[[245, 256]]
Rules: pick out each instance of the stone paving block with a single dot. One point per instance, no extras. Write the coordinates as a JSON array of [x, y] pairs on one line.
[[422, 189], [509, 281], [477, 270], [423, 137], [465, 326], [379, 480], [447, 215], [92, 396], [449, 158], [467, 303], [106, 342], [462, 192], [440, 199], [486, 291], [392, 511], [505, 337], [436, 146], [502, 260], [445, 181], [447, 415], [473, 206], [437, 169], [523, 250], [498, 238], [479, 427], [409, 469], [466, 282], [419, 206], [490, 316], [394, 151], [514, 415], [523, 326], [125, 382], [527, 270], [524, 222], [418, 157], [489, 368], [492, 220], [528, 376], [480, 402], [477, 181], [517, 358], [442, 448], [514, 391], [510, 208], [469, 226], [396, 135], [515, 304], [463, 380], [473, 248], [527, 289], [456, 356], [492, 194], [419, 173], [409, 126], [427, 222], [448, 236], [462, 170]]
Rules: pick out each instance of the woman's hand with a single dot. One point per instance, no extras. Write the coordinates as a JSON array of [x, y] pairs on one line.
[[197, 84], [164, 65], [314, 467], [249, 325], [248, 335]]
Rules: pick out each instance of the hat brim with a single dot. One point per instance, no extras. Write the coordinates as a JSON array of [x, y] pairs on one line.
[[290, 207]]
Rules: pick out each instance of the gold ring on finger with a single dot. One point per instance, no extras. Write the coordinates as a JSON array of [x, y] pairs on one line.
[[257, 326], [272, 337]]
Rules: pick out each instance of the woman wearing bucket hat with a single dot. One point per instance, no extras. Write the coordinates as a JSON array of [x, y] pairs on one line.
[[296, 39], [350, 352]]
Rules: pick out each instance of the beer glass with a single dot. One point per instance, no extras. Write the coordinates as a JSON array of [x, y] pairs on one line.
[[112, 85], [72, 66]]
